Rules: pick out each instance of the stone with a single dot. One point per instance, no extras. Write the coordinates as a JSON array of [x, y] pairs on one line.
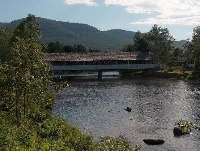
[[154, 141], [129, 109], [178, 132]]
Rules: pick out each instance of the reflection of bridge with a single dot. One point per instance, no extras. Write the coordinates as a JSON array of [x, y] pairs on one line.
[[100, 61]]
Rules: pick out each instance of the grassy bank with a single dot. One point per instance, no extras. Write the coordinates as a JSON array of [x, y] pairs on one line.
[[173, 73], [46, 133]]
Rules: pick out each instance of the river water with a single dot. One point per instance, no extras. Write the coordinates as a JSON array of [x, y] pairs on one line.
[[98, 109]]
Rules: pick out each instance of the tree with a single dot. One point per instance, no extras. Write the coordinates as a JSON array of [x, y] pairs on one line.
[[24, 76], [5, 36], [68, 48], [54, 47], [80, 48], [140, 42], [193, 47], [128, 48], [160, 42], [176, 57]]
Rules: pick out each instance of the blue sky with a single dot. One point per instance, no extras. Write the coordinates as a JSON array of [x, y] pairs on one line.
[[179, 16]]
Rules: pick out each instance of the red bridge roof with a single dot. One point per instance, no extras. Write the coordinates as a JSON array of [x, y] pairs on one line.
[[98, 56]]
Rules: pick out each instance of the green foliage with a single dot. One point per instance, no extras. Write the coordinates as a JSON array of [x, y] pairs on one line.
[[187, 126], [128, 48], [68, 48], [24, 77], [161, 43], [176, 57], [141, 41], [79, 48], [51, 134], [54, 47], [59, 48], [193, 48], [5, 36], [115, 144]]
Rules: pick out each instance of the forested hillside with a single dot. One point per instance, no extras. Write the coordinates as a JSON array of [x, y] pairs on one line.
[[74, 33]]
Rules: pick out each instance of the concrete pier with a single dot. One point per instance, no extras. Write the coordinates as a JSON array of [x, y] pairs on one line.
[[99, 74]]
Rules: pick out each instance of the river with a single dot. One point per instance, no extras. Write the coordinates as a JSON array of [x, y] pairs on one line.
[[98, 109]]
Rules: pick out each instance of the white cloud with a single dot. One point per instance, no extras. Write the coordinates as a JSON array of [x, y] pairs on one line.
[[171, 21], [184, 12], [86, 2]]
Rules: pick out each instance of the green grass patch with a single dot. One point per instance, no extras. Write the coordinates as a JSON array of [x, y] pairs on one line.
[[52, 133]]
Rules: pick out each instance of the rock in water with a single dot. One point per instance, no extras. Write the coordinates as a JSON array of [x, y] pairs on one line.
[[129, 109], [153, 141], [178, 132]]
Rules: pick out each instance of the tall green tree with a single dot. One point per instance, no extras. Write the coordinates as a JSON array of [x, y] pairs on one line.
[[5, 36], [193, 48], [160, 42], [176, 57], [141, 42], [24, 77]]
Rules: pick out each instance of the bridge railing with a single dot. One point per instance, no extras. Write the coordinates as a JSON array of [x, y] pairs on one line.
[[102, 62], [102, 67]]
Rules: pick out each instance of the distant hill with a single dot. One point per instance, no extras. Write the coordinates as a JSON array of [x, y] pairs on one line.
[[180, 43], [75, 33], [2, 24]]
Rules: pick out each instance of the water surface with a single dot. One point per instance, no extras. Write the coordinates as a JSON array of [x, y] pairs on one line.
[[98, 108]]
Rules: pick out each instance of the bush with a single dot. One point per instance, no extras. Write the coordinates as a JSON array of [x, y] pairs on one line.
[[115, 144]]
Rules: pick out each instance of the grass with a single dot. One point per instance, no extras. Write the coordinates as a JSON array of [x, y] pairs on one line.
[[52, 133]]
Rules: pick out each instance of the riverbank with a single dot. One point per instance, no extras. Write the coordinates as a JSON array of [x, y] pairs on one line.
[[52, 133], [171, 73]]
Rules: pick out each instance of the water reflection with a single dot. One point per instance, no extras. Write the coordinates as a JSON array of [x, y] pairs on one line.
[[98, 108]]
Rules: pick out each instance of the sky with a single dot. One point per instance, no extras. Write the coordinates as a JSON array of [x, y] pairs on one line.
[[179, 16]]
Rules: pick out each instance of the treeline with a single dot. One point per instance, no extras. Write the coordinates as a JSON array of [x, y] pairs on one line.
[[57, 47], [159, 41]]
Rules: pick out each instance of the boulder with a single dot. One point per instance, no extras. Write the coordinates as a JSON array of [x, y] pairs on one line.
[[129, 109], [178, 132], [154, 141]]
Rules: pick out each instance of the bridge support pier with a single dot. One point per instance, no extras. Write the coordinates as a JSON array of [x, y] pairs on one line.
[[99, 74]]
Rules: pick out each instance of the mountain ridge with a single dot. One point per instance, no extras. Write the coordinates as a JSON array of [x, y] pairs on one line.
[[77, 33]]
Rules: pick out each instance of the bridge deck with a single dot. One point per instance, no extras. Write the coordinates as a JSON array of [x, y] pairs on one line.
[[100, 61]]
